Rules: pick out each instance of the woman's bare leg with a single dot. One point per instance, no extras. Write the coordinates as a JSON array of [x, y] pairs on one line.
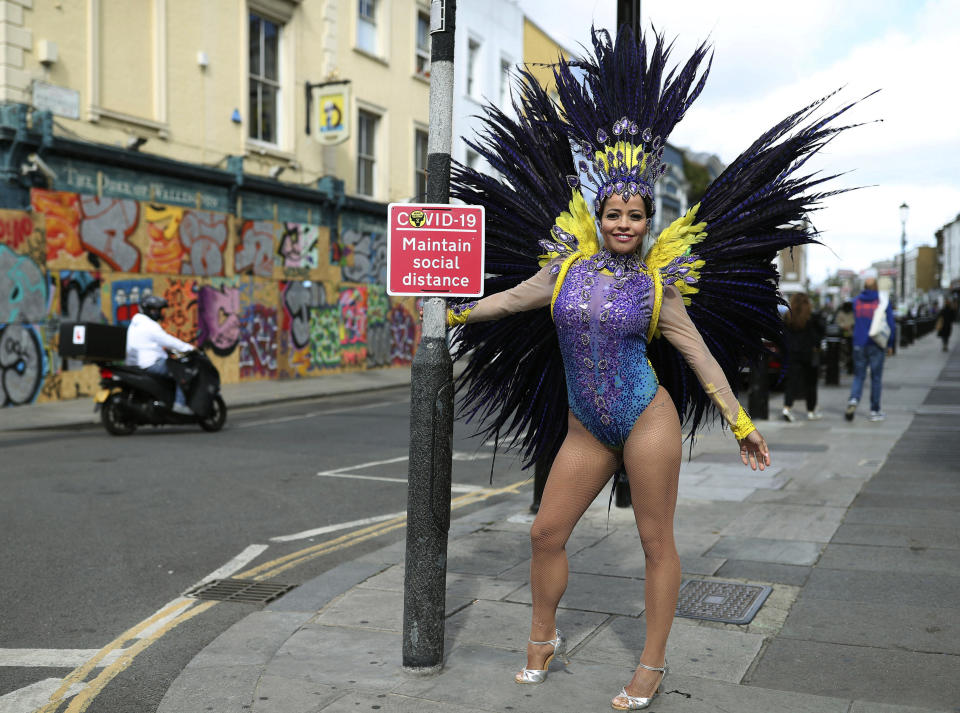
[[577, 476], [652, 459]]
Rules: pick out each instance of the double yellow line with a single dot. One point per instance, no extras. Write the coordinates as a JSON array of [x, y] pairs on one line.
[[182, 610]]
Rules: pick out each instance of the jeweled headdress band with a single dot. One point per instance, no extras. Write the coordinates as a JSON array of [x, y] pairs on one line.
[[628, 166]]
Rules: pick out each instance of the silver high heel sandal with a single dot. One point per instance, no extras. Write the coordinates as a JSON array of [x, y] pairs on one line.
[[636, 703], [539, 675]]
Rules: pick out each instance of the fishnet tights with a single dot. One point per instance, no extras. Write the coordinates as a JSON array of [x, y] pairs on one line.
[[582, 467]]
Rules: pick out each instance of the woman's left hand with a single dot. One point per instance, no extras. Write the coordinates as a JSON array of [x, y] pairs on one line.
[[754, 451]]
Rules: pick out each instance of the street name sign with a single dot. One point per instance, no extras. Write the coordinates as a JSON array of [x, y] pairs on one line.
[[435, 249]]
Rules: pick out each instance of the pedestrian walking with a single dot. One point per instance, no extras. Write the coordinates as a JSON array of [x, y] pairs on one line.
[[844, 320], [803, 334], [945, 320], [606, 339], [873, 338]]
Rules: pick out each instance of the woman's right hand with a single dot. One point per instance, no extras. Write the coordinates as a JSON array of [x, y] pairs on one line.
[[754, 451]]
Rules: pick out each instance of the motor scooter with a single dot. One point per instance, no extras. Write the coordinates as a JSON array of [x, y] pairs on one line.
[[130, 397]]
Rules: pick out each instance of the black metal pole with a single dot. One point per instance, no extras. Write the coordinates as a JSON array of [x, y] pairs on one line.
[[431, 398]]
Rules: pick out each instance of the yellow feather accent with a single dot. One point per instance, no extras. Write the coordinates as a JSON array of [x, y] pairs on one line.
[[577, 220], [632, 155], [676, 240], [561, 275]]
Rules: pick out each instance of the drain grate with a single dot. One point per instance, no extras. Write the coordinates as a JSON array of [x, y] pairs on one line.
[[728, 602], [248, 591]]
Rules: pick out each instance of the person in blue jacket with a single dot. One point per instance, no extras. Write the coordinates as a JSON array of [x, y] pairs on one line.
[[866, 352]]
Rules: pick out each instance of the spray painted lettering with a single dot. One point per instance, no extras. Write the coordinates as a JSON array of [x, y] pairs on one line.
[[22, 364], [219, 319], [106, 228], [254, 254], [23, 288]]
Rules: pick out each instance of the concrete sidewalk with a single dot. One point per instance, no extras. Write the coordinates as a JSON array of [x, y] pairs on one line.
[[856, 531], [79, 413]]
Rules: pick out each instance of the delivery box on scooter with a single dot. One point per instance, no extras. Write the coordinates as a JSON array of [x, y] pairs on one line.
[[92, 341]]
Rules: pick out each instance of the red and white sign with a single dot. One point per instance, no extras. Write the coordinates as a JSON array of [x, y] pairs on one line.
[[435, 249]]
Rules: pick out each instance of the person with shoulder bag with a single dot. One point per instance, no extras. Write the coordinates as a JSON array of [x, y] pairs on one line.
[[874, 330]]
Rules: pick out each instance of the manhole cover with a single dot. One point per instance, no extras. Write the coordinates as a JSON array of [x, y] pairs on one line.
[[728, 602], [248, 591]]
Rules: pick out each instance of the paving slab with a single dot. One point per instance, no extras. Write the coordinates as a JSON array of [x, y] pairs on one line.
[[483, 553], [252, 641], [279, 694], [914, 501], [506, 625], [837, 491], [315, 593], [621, 554], [897, 536], [907, 560], [858, 672], [796, 552], [338, 656], [905, 517], [871, 707], [696, 517], [597, 593], [693, 650], [462, 586], [763, 572], [212, 689], [787, 522], [374, 609], [904, 627], [938, 591], [689, 694], [394, 703]]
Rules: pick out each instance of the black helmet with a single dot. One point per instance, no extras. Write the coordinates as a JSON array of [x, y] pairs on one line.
[[153, 306]]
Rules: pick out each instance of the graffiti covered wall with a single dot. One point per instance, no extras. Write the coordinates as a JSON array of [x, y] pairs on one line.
[[265, 299]]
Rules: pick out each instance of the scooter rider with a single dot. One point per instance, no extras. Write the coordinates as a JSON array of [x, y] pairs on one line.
[[147, 342]]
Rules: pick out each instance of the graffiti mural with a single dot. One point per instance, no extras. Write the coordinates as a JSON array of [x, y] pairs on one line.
[[23, 288], [366, 256], [378, 330], [22, 364], [254, 252], [180, 316], [16, 230], [105, 230], [325, 350], [125, 298], [298, 247], [203, 235], [61, 218], [219, 318], [164, 252], [258, 342], [403, 335], [79, 302], [353, 325]]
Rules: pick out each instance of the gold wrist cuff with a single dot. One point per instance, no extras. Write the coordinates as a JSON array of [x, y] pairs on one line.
[[744, 426], [459, 314]]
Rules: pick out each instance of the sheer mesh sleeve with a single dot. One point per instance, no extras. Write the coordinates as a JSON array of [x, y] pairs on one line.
[[529, 294], [676, 326]]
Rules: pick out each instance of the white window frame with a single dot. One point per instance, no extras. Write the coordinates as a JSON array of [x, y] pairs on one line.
[[419, 172], [421, 53], [277, 83], [474, 68], [374, 156]]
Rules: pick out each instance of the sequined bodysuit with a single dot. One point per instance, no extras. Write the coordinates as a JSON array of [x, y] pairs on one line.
[[602, 324]]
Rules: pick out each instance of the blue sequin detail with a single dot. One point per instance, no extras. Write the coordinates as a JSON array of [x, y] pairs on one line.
[[602, 326]]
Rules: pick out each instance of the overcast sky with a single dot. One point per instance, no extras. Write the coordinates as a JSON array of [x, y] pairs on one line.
[[772, 58]]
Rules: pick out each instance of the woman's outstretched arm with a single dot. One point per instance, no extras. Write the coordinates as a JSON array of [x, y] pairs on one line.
[[679, 330], [532, 293]]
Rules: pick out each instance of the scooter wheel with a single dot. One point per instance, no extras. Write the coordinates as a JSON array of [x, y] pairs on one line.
[[217, 417], [114, 419]]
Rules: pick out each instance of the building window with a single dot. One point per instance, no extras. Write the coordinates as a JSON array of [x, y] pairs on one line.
[[423, 43], [264, 80], [473, 159], [366, 151], [504, 83], [420, 164], [473, 68], [367, 26]]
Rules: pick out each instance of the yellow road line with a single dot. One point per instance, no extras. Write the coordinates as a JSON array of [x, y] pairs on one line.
[[281, 564], [80, 673], [82, 700]]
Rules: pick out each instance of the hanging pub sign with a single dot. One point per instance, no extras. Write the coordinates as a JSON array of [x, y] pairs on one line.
[[331, 112]]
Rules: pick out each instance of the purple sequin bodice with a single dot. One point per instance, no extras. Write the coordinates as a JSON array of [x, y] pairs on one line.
[[602, 322]]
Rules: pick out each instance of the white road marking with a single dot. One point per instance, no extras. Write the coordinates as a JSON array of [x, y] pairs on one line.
[[235, 565], [455, 488], [36, 695], [334, 528], [313, 414], [52, 658]]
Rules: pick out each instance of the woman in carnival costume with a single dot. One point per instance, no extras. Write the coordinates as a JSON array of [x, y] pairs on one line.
[[591, 350]]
